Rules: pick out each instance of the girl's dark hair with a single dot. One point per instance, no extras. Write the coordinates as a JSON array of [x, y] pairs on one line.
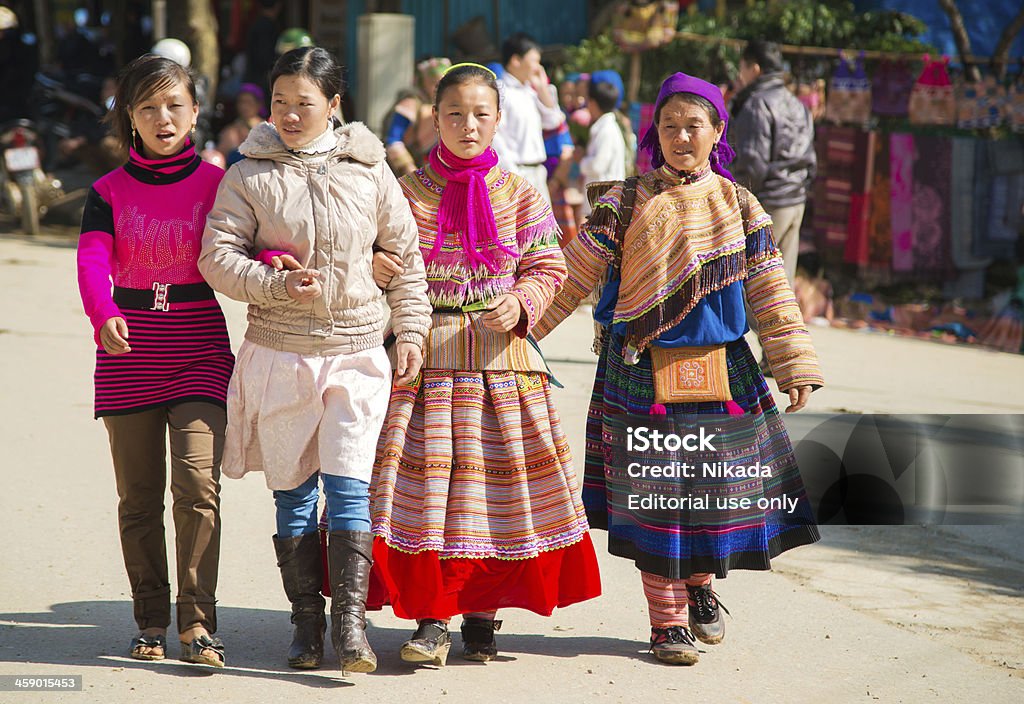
[[312, 62], [692, 99], [139, 81], [466, 74]]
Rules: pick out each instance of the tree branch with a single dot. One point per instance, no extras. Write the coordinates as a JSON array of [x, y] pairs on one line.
[[960, 38], [1001, 56]]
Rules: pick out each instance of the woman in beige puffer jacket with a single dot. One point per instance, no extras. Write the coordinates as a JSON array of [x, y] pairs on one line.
[[312, 381]]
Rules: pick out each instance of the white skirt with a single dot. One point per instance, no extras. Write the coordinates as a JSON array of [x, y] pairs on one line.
[[290, 415]]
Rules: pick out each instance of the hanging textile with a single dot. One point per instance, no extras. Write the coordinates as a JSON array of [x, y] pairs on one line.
[[862, 180], [970, 281], [932, 101], [932, 193], [849, 99], [901, 174], [836, 155], [880, 217], [998, 196], [890, 88]]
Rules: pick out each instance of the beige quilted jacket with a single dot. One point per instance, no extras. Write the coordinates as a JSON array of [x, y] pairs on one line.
[[329, 211]]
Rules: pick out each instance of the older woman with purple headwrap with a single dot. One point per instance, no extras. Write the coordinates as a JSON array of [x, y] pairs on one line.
[[678, 250]]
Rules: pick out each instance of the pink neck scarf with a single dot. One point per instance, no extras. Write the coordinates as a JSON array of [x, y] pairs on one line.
[[466, 206]]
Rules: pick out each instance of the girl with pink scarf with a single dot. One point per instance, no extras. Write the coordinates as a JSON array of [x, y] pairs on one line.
[[474, 494]]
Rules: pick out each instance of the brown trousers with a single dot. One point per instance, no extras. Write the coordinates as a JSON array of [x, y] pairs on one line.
[[137, 444]]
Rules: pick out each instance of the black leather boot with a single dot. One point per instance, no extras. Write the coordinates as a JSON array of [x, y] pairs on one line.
[[349, 556], [478, 638], [430, 643], [302, 574]]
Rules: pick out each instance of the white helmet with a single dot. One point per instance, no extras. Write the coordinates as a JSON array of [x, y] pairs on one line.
[[175, 50], [8, 20]]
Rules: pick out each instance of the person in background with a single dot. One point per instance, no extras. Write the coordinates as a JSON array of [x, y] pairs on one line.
[[260, 50], [605, 156], [559, 147], [18, 61], [409, 132], [529, 107], [625, 125], [773, 136], [250, 106], [569, 97]]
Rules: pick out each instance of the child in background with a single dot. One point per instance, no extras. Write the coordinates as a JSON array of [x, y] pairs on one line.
[[605, 155]]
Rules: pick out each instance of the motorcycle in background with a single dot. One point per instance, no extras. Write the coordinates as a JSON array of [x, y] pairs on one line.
[[27, 191]]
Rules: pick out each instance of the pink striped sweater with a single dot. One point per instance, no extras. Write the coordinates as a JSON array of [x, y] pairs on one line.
[[143, 225]]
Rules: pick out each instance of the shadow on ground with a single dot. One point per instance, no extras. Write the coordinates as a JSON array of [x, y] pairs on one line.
[[96, 634]]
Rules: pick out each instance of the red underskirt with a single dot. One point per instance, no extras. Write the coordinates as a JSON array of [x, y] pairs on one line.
[[424, 586]]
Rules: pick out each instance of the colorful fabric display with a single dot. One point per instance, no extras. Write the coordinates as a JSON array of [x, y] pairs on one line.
[[901, 189], [980, 105], [833, 187], [862, 180], [1015, 105], [932, 101], [849, 100], [890, 89], [998, 196], [931, 197], [880, 218]]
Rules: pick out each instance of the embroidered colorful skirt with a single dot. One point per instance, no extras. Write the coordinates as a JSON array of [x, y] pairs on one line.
[[655, 539], [475, 501]]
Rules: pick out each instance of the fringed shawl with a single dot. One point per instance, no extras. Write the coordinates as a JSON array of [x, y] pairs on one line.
[[684, 242]]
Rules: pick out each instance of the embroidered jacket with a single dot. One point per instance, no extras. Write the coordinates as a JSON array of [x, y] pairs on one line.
[[687, 251], [458, 339]]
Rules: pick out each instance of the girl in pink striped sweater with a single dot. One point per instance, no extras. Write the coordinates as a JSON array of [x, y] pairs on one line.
[[163, 360]]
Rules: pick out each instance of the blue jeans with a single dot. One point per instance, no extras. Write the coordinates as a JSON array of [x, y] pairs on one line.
[[348, 506]]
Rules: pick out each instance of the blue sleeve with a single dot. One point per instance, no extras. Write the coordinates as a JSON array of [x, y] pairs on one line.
[[396, 131]]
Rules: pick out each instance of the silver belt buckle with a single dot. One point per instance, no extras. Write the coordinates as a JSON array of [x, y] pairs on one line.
[[160, 301]]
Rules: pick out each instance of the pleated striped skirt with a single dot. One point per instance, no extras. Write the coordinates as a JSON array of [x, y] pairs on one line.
[[475, 500], [676, 544]]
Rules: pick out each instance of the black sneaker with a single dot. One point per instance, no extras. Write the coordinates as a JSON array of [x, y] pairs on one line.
[[706, 614], [674, 645], [478, 639], [430, 643]]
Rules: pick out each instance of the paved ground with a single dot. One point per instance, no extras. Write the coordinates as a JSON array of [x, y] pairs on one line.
[[905, 614]]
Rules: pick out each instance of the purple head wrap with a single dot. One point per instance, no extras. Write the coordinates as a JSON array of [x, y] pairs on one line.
[[721, 154], [256, 92]]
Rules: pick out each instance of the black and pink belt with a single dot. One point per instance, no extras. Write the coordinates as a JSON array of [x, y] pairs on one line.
[[161, 295]]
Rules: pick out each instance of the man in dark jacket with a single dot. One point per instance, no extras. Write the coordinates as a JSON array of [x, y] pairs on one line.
[[773, 135]]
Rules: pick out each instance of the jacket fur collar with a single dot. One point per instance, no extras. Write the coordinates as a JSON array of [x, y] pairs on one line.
[[355, 141]]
